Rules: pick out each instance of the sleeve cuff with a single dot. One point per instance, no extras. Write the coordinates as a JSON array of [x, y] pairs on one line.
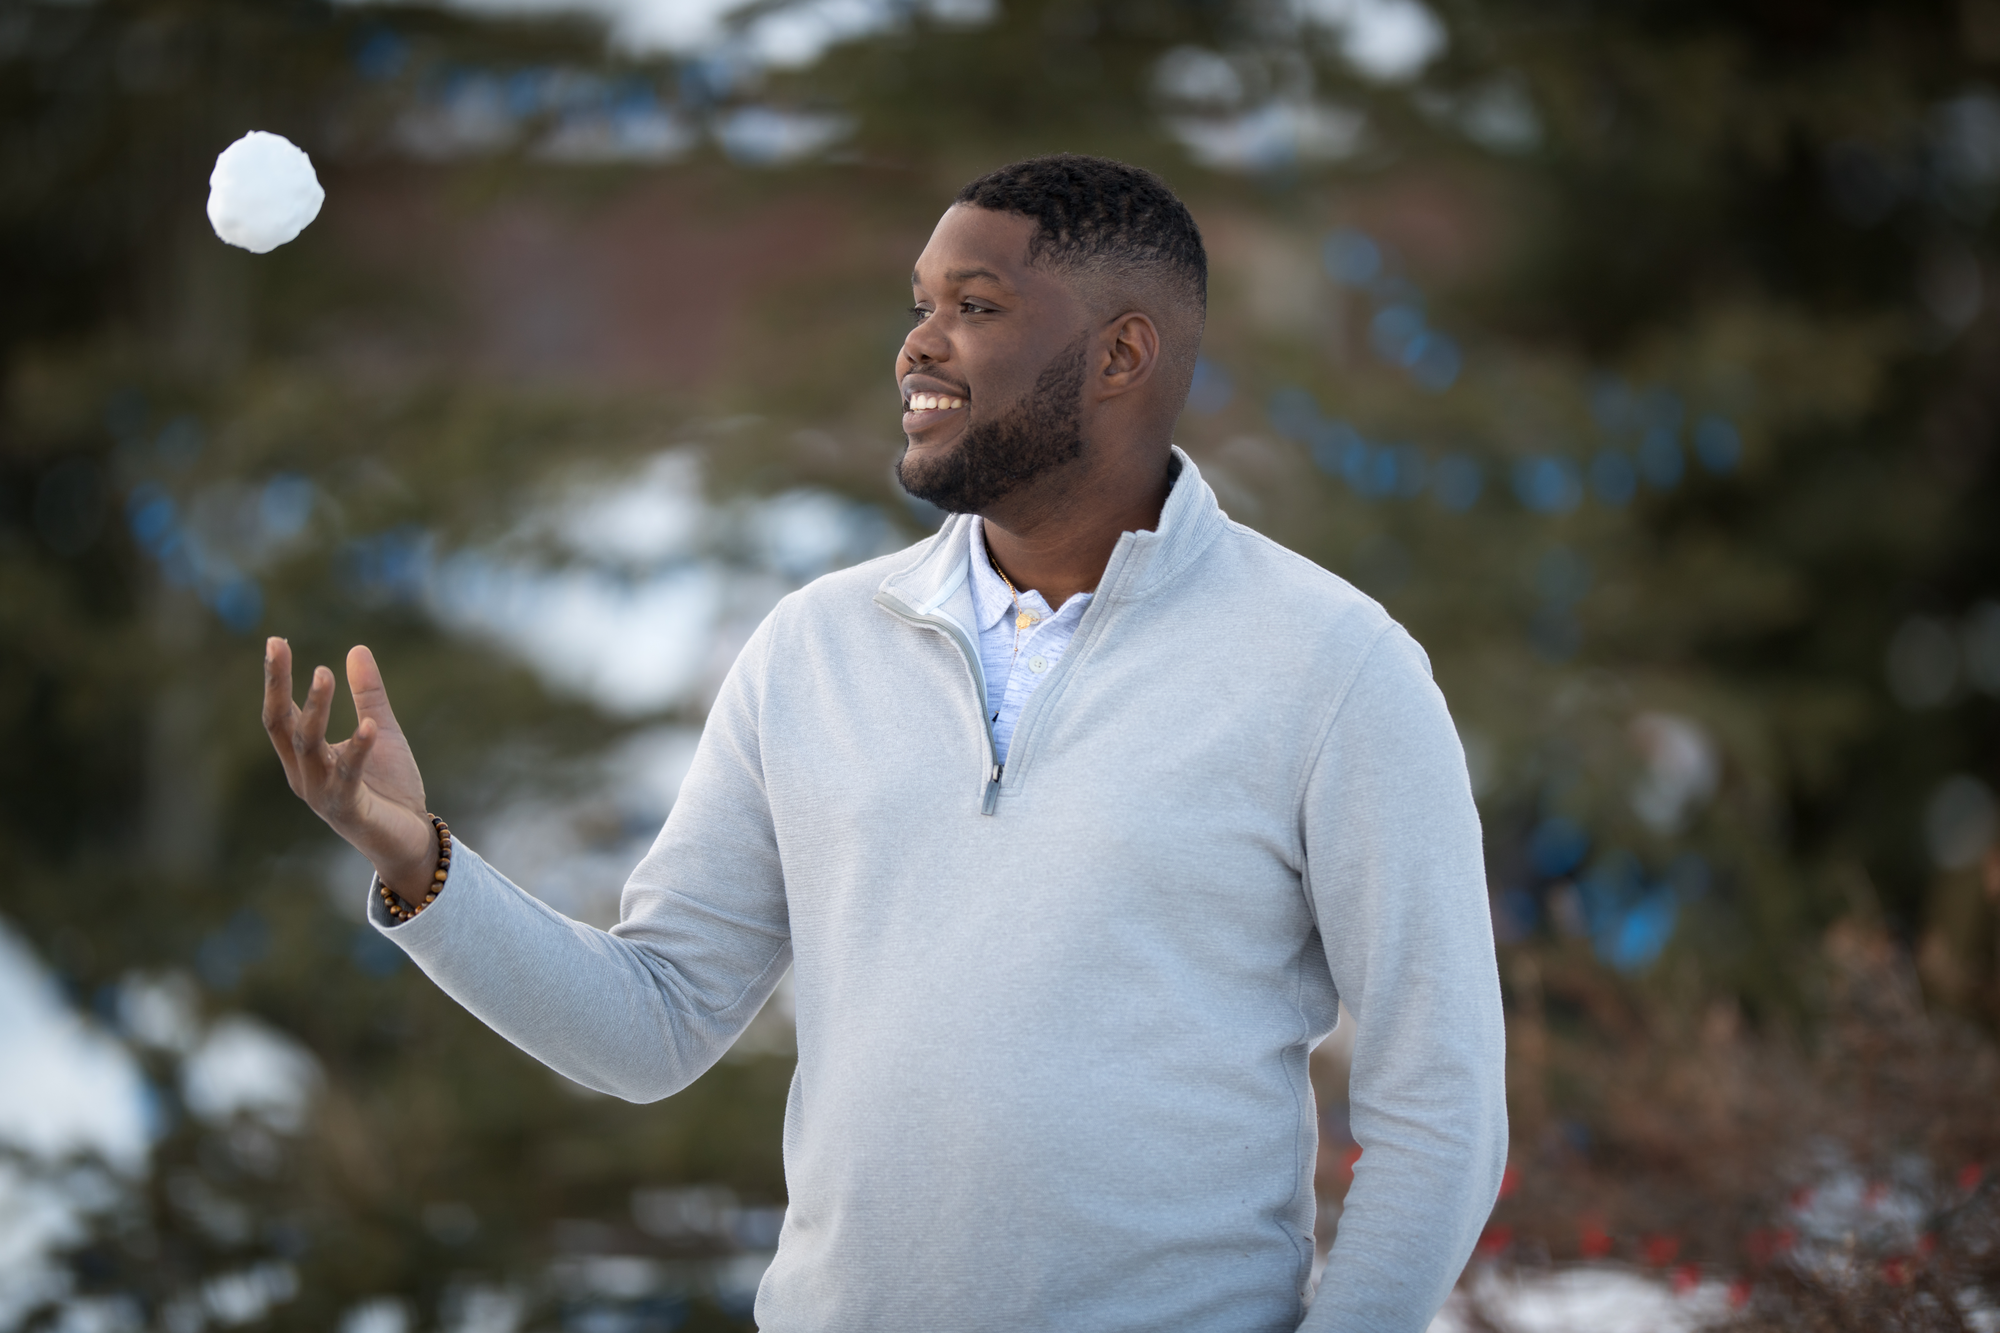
[[378, 911]]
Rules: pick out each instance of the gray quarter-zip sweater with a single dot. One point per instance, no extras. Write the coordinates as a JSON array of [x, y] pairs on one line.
[[1053, 1018]]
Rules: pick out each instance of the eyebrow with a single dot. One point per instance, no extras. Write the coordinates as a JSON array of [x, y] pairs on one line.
[[959, 275]]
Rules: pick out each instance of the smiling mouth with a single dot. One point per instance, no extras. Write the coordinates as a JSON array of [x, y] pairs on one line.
[[923, 412]]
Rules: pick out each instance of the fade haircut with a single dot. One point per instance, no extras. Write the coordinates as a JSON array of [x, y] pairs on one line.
[[1113, 224]]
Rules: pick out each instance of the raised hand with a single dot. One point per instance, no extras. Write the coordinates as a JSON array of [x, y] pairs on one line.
[[367, 787]]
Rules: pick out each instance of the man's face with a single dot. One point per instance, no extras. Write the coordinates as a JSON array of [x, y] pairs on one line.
[[992, 375]]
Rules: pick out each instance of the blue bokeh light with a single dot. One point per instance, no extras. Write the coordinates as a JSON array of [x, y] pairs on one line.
[[1293, 411], [1433, 360], [1517, 916], [151, 515], [286, 504], [1456, 482], [1718, 445], [1548, 484], [1352, 257], [1631, 921], [1661, 461], [381, 55], [1613, 478], [1338, 449], [1557, 846], [239, 603], [1394, 328], [1641, 932], [1211, 390], [389, 566]]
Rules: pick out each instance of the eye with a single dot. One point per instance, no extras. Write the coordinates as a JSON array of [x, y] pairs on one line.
[[918, 314], [971, 307]]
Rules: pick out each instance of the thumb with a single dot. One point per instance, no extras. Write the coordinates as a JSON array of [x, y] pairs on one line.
[[371, 697]]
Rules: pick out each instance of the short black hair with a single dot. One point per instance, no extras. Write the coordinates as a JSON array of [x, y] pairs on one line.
[[1096, 213]]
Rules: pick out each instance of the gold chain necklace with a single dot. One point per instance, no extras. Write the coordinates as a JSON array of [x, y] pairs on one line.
[[1022, 619]]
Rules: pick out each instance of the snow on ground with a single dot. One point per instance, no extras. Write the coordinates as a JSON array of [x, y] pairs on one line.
[[1596, 1299]]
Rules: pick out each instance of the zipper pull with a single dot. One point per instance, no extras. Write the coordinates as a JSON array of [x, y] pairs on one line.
[[992, 801]]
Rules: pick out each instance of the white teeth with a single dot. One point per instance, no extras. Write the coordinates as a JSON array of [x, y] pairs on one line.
[[931, 402]]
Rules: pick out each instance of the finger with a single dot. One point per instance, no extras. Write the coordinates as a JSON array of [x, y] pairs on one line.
[[309, 732], [280, 715], [352, 754], [371, 696]]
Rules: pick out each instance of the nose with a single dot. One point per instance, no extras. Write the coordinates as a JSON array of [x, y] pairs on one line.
[[924, 345]]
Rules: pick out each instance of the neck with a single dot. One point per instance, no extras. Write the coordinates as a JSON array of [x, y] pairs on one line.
[[1057, 536]]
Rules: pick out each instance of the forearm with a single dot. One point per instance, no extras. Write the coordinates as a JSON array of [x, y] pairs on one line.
[[1398, 875], [602, 1011], [1421, 1195]]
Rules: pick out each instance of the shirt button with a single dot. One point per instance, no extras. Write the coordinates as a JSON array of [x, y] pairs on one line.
[[1038, 665]]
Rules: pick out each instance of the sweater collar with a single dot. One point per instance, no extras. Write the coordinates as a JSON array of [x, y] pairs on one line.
[[1140, 562]]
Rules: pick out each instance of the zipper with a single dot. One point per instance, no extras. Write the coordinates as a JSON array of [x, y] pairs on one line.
[[989, 803]]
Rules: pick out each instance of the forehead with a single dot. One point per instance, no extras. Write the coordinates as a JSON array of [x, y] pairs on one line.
[[969, 242]]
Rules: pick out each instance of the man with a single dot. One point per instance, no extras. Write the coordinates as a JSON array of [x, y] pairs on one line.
[[1075, 822]]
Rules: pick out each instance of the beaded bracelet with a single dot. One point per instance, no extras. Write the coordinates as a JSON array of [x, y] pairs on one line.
[[394, 902]]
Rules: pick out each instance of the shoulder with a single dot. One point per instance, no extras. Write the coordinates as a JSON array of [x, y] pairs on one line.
[[840, 597], [1294, 597]]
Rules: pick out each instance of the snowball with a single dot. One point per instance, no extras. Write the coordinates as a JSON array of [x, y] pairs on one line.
[[262, 192]]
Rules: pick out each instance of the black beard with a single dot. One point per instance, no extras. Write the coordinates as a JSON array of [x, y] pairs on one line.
[[995, 458]]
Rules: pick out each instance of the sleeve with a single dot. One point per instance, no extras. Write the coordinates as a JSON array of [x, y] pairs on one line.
[[1396, 873], [642, 1010]]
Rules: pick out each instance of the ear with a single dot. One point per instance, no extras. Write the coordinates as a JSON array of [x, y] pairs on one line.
[[1130, 350]]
